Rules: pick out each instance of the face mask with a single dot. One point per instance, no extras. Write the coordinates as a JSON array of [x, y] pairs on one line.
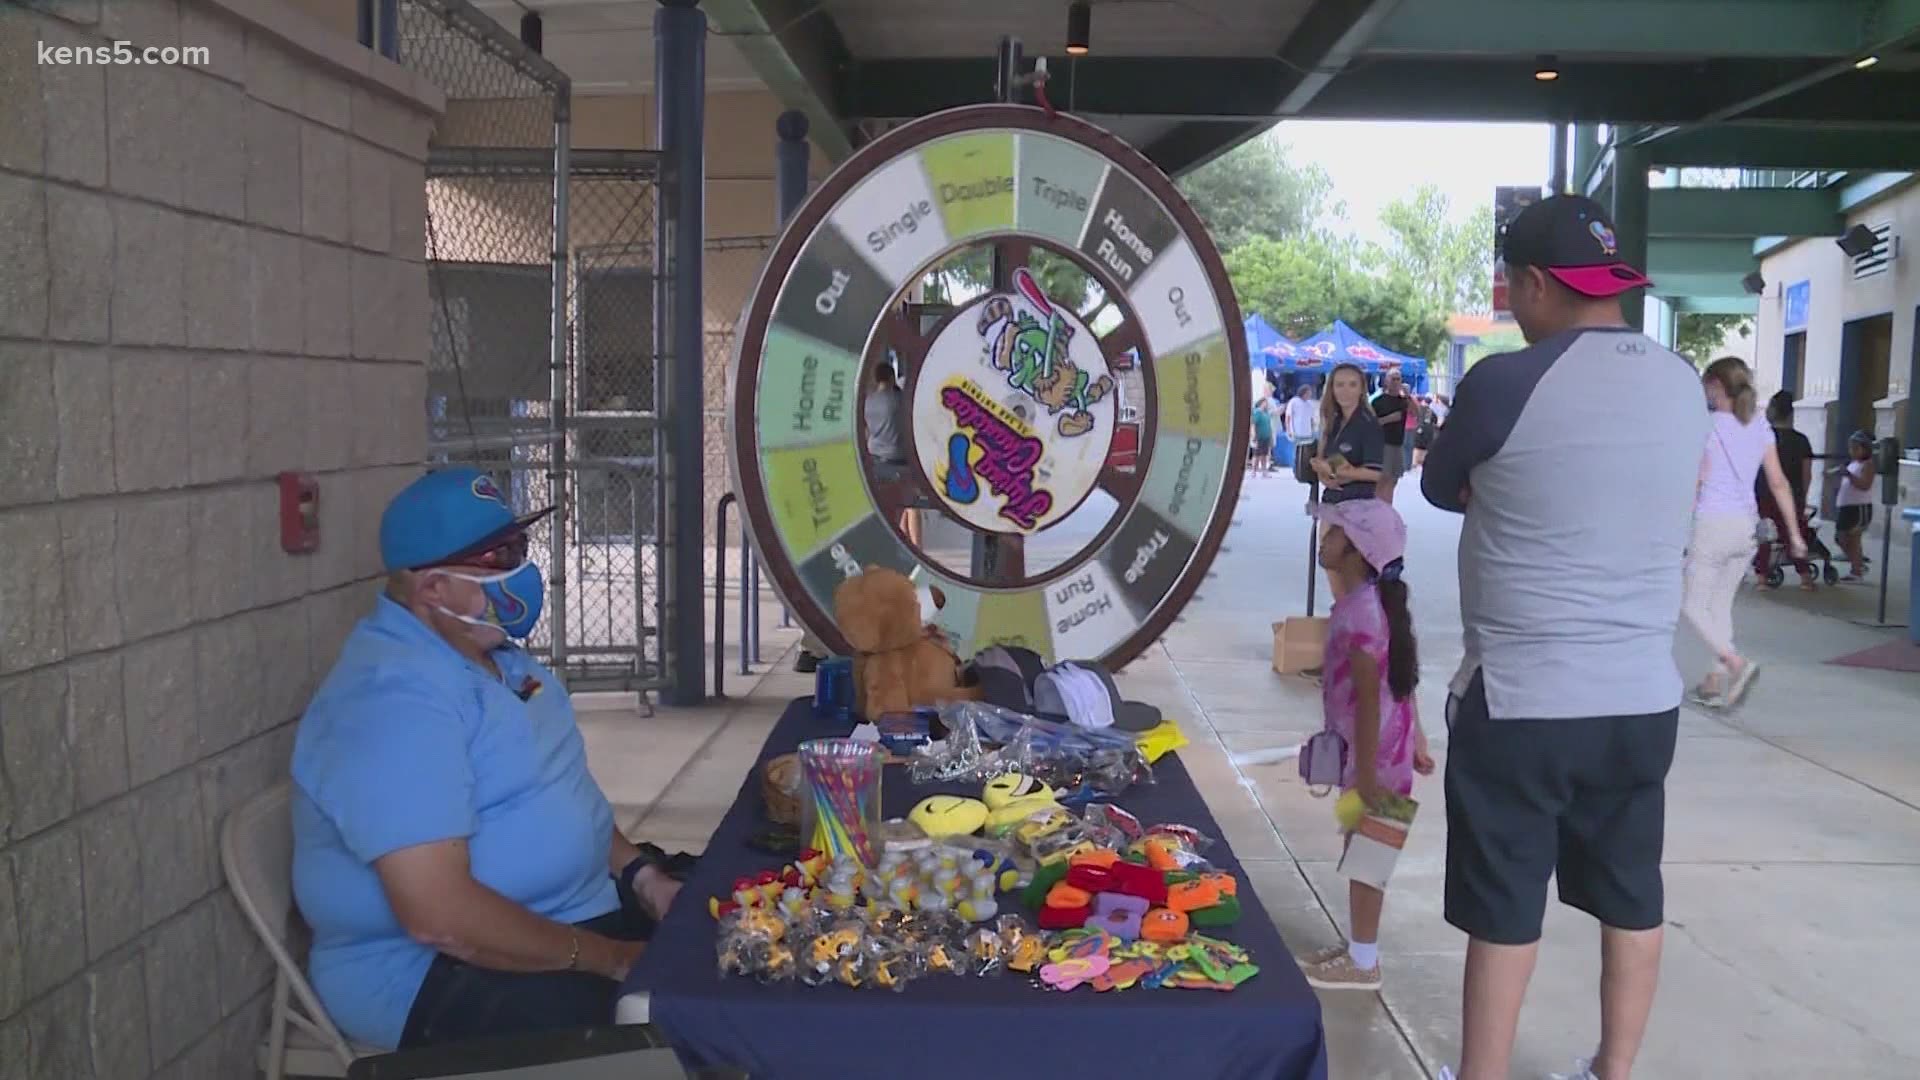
[[514, 599]]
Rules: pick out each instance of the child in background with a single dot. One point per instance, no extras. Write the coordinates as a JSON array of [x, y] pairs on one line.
[[1854, 504], [1371, 668]]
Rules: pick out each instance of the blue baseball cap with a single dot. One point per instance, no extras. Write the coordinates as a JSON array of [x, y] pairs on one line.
[[445, 515]]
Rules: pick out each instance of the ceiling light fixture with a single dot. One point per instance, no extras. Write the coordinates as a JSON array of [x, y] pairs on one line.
[[1547, 69], [1079, 28], [1865, 62]]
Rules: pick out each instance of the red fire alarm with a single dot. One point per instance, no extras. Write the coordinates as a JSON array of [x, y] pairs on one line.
[[299, 512]]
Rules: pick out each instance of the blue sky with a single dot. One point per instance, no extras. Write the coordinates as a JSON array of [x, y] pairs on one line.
[[1374, 163]]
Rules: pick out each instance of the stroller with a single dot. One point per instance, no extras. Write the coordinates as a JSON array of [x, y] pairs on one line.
[[1773, 549]]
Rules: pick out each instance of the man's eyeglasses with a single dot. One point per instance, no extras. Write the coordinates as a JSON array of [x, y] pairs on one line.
[[508, 554]]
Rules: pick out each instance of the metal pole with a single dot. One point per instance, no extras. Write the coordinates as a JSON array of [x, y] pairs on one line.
[[720, 595], [1557, 175], [1630, 200], [746, 568], [557, 375], [985, 561], [680, 61], [1313, 544]]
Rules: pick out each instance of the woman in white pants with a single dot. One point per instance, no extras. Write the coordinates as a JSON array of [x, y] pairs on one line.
[[1725, 514]]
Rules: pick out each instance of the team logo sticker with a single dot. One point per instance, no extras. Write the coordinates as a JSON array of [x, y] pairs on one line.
[[1602, 233], [485, 488]]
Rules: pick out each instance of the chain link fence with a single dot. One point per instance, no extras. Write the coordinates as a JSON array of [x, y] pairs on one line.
[[542, 362]]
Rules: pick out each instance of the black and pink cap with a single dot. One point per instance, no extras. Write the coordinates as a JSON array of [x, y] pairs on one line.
[[1570, 237]]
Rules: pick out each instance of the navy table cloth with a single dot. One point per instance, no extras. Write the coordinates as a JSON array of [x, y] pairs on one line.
[[973, 1028]]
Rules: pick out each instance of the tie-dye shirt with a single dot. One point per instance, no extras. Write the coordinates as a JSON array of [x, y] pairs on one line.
[[1359, 622]]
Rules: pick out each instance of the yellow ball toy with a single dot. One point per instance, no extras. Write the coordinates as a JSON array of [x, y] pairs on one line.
[[949, 815]]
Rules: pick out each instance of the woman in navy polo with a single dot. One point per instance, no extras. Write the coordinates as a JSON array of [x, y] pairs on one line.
[[1352, 445]]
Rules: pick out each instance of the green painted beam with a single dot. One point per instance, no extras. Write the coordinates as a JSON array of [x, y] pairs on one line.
[[1774, 146], [1745, 213], [1779, 28], [1666, 255], [1746, 304], [1689, 267], [801, 62]]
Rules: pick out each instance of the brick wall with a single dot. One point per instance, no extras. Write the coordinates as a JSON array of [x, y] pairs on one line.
[[207, 275]]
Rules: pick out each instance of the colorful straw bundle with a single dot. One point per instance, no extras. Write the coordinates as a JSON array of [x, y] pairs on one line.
[[840, 801]]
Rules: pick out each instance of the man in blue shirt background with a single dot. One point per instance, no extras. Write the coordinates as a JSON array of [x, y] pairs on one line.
[[458, 864]]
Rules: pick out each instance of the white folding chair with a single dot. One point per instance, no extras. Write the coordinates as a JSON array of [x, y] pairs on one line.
[[256, 851]]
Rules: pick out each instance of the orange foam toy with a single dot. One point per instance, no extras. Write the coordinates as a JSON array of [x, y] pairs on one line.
[[1164, 925]]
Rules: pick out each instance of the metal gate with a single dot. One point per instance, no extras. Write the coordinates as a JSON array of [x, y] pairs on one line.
[[542, 365]]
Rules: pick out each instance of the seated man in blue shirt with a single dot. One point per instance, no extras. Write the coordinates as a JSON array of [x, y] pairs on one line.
[[457, 863]]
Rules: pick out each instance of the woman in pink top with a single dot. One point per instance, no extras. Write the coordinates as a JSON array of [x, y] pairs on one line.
[[1370, 669], [1725, 514]]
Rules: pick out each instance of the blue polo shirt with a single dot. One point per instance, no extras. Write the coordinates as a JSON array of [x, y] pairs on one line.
[[408, 742]]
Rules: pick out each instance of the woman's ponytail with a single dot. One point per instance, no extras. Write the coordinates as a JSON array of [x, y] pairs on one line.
[[1403, 653], [1736, 378]]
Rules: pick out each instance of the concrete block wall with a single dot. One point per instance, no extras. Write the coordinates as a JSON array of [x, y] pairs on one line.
[[208, 275]]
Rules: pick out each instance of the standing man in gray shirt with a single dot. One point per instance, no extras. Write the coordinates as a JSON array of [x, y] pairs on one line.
[[1575, 462]]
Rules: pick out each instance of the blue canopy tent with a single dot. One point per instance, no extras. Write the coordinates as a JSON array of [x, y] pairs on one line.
[[1267, 349], [1342, 344]]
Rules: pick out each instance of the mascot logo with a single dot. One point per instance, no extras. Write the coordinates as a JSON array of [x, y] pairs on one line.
[[484, 488], [1608, 245], [1027, 338], [993, 448]]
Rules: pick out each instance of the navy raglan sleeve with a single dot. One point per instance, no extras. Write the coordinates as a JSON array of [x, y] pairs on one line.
[[1485, 407]]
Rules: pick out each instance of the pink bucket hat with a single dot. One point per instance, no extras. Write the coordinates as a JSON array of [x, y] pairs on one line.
[[1374, 528]]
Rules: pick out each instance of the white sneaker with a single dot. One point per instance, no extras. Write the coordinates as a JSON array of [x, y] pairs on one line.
[[1446, 1073], [1582, 1070]]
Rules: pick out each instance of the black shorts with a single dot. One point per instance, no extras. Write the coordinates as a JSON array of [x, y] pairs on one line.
[[1848, 519], [1530, 799]]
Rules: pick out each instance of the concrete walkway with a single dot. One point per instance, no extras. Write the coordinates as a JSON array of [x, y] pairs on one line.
[[1793, 846]]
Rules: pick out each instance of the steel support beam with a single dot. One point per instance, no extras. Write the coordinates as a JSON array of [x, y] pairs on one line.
[[1669, 257], [1768, 146], [680, 94], [1569, 28], [798, 52], [1887, 26], [1630, 213], [1744, 213], [1319, 49], [1250, 90], [1746, 304]]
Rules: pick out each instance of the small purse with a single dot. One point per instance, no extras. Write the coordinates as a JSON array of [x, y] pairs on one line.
[[1323, 762]]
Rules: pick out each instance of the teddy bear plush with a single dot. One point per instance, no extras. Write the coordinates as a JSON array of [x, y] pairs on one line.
[[897, 663]]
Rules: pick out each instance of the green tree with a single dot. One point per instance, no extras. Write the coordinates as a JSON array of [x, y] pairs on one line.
[[1702, 338], [1257, 190], [1303, 283], [1448, 260]]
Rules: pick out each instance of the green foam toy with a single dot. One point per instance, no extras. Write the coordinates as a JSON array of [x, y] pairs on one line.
[[1045, 877], [1240, 973], [1224, 913]]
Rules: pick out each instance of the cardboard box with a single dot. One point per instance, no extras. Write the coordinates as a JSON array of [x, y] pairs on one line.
[[1299, 644], [1374, 846]]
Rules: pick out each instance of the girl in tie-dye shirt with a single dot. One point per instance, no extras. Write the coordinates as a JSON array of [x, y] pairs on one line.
[[1368, 677]]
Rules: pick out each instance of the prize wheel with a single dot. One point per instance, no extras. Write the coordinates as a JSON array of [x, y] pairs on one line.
[[1074, 381]]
